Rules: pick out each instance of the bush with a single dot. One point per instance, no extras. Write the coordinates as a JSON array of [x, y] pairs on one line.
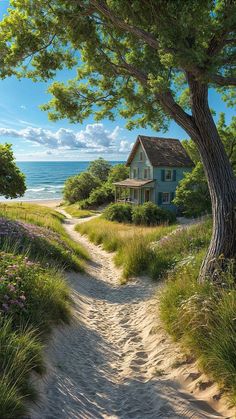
[[150, 214], [100, 196], [118, 172], [122, 213], [79, 187], [100, 169]]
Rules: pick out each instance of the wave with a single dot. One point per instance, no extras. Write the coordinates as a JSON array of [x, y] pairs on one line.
[[49, 188]]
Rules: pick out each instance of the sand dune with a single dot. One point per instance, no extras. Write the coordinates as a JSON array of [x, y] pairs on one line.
[[114, 360]]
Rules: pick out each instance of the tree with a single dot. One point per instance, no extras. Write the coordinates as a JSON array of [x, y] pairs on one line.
[[150, 60], [12, 181], [192, 193], [118, 172], [79, 187], [100, 168]]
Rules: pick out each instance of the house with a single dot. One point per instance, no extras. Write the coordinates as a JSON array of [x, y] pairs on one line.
[[156, 167]]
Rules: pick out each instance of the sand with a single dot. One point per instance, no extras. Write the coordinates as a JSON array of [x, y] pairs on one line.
[[115, 360]]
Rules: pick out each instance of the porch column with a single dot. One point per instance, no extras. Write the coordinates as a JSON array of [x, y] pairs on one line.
[[115, 193]]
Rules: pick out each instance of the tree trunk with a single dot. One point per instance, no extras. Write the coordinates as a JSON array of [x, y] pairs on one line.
[[219, 173], [221, 183]]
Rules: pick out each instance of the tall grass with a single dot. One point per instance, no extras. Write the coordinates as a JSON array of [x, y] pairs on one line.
[[202, 318], [75, 211], [148, 250], [48, 242], [132, 243], [32, 299]]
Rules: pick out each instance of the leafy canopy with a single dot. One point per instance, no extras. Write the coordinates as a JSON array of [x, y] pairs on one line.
[[192, 194], [12, 181], [79, 187], [108, 40], [100, 168]]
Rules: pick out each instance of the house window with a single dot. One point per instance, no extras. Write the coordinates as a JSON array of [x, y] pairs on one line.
[[141, 156], [134, 173], [165, 198], [168, 174], [147, 173]]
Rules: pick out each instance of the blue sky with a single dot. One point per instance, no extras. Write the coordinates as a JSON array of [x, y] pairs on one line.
[[35, 138]]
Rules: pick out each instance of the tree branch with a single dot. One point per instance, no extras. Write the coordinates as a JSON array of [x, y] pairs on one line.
[[102, 8], [223, 81]]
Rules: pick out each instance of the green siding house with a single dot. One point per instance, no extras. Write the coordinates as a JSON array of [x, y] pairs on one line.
[[156, 167]]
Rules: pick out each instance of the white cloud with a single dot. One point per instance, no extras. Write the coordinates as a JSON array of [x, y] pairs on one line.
[[23, 107], [94, 138]]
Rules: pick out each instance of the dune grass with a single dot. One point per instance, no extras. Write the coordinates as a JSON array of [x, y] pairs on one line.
[[32, 299], [132, 243], [38, 231], [202, 318], [146, 250], [75, 211]]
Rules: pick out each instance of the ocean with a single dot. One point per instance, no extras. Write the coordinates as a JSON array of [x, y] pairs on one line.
[[45, 180]]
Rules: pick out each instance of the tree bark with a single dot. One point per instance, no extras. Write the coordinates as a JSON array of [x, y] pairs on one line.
[[219, 173], [221, 183]]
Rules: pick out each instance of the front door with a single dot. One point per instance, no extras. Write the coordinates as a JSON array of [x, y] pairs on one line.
[[146, 195]]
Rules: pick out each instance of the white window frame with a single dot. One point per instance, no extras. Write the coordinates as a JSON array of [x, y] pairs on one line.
[[148, 171], [167, 179], [141, 156], [134, 173], [165, 202]]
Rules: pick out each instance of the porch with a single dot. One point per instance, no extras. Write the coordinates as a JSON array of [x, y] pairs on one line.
[[135, 191]]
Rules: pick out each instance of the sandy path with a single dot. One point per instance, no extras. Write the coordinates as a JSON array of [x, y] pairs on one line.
[[111, 362]]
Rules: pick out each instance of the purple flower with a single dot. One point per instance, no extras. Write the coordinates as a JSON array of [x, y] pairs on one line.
[[11, 287], [5, 307]]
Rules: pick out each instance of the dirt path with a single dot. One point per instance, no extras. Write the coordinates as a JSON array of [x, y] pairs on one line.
[[111, 362]]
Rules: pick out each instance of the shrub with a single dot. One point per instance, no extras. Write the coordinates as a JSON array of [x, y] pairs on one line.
[[79, 187], [151, 214], [101, 195], [118, 172], [122, 213], [100, 169]]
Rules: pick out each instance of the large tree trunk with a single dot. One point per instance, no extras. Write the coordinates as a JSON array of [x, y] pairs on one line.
[[221, 183], [220, 177]]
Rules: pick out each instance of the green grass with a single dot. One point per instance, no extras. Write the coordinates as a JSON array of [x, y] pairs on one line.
[[75, 211], [32, 300], [132, 243], [47, 241], [202, 318]]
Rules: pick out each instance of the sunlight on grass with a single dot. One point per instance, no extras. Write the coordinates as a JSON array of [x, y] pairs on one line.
[[75, 211]]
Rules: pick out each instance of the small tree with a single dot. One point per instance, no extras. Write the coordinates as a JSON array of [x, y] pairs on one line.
[[100, 168], [192, 194], [12, 181], [118, 172], [79, 187]]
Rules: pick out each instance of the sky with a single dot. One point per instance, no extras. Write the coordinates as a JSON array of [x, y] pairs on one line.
[[35, 138]]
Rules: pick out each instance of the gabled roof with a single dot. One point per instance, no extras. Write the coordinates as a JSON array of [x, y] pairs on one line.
[[162, 152]]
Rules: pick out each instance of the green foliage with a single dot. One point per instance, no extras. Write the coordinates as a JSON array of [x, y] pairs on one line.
[[76, 211], [122, 213], [100, 196], [151, 214], [192, 194], [202, 318], [32, 299], [20, 355], [79, 187], [49, 244], [100, 169], [118, 172], [12, 181]]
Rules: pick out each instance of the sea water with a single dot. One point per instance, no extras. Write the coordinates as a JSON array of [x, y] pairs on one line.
[[45, 180]]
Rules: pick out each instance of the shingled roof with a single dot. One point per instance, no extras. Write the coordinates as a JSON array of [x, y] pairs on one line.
[[162, 152]]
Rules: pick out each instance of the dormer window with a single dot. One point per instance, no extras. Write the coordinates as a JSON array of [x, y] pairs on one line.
[[141, 156]]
